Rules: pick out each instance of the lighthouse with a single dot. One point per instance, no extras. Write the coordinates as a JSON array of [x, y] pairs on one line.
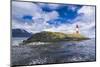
[[77, 29]]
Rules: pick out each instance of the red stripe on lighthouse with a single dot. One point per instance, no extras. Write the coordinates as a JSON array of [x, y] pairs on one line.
[[77, 26]]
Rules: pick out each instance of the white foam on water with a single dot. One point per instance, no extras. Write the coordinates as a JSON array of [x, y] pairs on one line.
[[38, 43], [38, 61]]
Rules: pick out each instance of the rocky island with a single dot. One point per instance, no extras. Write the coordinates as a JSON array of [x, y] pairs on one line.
[[46, 36]]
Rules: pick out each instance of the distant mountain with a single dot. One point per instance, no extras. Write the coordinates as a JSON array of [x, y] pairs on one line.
[[54, 37], [20, 33]]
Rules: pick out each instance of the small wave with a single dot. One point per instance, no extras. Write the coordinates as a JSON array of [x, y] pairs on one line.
[[38, 61]]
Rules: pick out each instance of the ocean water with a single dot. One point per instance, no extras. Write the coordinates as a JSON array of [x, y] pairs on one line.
[[50, 53]]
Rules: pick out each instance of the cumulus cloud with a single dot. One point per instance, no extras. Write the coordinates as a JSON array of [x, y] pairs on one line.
[[85, 18], [50, 6], [88, 18], [19, 9], [72, 7], [51, 15], [39, 20]]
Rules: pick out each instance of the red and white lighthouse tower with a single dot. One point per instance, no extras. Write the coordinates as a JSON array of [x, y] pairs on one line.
[[77, 29]]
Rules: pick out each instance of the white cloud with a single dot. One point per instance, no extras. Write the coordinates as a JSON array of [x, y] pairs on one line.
[[88, 14], [87, 10], [40, 18], [20, 9], [86, 23], [51, 15], [50, 6], [72, 7], [86, 19]]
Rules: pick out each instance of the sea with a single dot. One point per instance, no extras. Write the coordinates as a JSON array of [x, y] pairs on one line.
[[37, 53]]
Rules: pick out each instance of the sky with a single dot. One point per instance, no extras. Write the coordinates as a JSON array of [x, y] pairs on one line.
[[36, 17]]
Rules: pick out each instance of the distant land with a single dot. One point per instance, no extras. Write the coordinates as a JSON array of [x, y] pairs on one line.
[[20, 33], [46, 36]]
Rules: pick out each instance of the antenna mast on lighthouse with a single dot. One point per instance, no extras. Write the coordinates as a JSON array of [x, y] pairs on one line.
[[77, 29]]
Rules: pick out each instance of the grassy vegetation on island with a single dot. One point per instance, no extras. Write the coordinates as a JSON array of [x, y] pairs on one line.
[[54, 37]]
